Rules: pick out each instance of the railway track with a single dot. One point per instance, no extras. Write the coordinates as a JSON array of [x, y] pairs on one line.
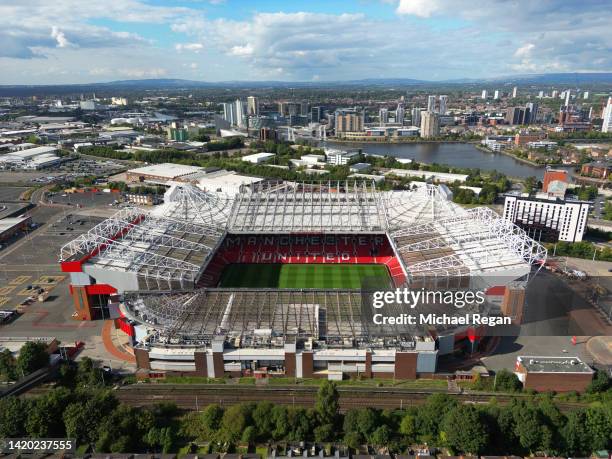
[[195, 397]]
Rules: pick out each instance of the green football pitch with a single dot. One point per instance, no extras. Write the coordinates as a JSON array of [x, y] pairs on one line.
[[318, 276]]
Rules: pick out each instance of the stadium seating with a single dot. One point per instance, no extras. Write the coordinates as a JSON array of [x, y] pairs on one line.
[[308, 248]]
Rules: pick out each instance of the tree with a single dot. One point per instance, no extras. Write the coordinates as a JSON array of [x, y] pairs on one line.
[[599, 428], [464, 430], [600, 383], [324, 432], [32, 357], [235, 420], [506, 381], [263, 421], [380, 437], [327, 403], [211, 419], [249, 435], [13, 415], [352, 440], [408, 428], [576, 435], [7, 365], [45, 414], [530, 184]]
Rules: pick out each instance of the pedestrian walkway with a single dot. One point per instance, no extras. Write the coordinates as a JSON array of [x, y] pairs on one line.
[[112, 344]]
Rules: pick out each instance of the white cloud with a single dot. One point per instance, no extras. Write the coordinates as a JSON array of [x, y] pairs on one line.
[[246, 50], [421, 8], [195, 47], [60, 38], [143, 72], [524, 51]]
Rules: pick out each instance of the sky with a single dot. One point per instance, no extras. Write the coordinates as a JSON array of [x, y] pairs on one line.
[[84, 41]]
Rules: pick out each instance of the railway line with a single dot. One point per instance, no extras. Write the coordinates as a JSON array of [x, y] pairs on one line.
[[195, 397]]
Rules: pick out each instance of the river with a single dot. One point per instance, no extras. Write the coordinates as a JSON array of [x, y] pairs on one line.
[[453, 154]]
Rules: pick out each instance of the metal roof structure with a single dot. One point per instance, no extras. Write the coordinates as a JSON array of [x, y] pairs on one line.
[[303, 207], [169, 247], [164, 252], [254, 317]]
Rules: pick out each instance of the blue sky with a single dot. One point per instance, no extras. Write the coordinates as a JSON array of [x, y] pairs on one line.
[[75, 41]]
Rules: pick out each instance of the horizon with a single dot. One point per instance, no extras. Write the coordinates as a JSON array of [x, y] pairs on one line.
[[212, 41]]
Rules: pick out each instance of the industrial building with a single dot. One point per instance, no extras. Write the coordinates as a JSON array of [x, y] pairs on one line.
[[162, 173], [156, 272], [9, 227], [31, 158]]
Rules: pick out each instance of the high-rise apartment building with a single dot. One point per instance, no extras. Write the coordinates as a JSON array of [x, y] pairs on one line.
[[431, 104], [229, 113], [400, 112], [443, 105], [568, 95], [514, 91], [430, 124], [496, 95], [252, 105], [348, 121], [240, 113], [415, 115], [607, 117], [484, 94], [383, 116]]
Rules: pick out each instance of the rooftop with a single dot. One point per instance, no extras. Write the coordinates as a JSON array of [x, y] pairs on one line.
[[166, 170], [565, 364]]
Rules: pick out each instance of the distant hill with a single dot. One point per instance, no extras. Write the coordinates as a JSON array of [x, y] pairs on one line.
[[567, 79]]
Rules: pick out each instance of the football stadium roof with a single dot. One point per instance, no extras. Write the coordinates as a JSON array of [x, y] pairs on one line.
[[169, 247]]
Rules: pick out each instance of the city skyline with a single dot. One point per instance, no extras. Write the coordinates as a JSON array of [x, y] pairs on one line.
[[71, 42]]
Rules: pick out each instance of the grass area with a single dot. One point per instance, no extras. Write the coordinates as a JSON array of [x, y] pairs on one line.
[[191, 380], [323, 276], [406, 384]]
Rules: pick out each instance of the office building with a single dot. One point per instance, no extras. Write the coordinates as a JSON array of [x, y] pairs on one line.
[[415, 115], [348, 121], [252, 106], [304, 106], [430, 125], [547, 219], [607, 117], [585, 95], [541, 95], [431, 104], [315, 114], [531, 113], [515, 115], [443, 105], [383, 116], [554, 94]]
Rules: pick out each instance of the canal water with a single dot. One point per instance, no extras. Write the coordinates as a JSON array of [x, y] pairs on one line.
[[452, 154]]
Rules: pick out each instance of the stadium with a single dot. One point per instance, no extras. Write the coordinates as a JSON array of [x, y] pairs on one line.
[[268, 281]]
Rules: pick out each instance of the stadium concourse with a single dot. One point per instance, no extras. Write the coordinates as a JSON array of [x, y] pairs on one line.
[[266, 282]]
